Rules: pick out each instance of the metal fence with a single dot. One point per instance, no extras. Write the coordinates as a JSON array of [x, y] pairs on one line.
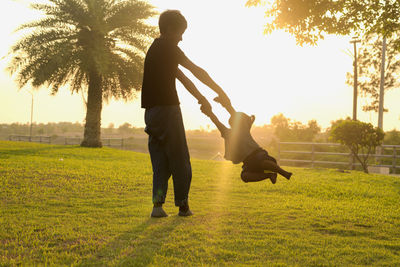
[[200, 148], [28, 138], [312, 155], [110, 142], [295, 153]]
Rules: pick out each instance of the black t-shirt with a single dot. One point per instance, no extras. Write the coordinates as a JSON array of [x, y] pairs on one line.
[[160, 68]]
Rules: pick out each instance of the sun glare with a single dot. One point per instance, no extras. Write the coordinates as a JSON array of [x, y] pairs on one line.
[[262, 74]]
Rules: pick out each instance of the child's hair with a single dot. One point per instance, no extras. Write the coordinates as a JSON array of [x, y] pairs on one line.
[[173, 19], [240, 119]]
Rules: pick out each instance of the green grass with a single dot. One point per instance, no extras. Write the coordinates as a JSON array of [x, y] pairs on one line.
[[66, 205]]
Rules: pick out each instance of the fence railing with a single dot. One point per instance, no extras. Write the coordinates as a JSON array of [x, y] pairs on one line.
[[312, 153], [28, 138], [110, 142], [202, 148], [298, 153]]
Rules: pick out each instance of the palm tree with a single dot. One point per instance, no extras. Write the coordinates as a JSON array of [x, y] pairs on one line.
[[94, 46]]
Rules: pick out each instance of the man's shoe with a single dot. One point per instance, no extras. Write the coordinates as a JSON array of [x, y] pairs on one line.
[[158, 212], [186, 213], [184, 210]]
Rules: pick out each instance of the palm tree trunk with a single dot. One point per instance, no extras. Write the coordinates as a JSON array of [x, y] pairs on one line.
[[91, 137]]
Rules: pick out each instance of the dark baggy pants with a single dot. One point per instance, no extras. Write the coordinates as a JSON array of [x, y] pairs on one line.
[[168, 152]]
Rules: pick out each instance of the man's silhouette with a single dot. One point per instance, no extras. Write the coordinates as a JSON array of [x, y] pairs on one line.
[[167, 141]]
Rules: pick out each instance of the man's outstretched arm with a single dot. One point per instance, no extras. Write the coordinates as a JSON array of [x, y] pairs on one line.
[[203, 76], [205, 105]]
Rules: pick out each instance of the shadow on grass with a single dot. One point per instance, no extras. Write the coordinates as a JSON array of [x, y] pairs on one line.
[[342, 232], [136, 247]]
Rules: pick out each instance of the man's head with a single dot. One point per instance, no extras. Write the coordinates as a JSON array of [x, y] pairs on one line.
[[241, 120], [172, 25]]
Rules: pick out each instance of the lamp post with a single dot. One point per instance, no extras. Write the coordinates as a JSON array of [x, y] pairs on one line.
[[382, 85], [354, 41], [381, 95]]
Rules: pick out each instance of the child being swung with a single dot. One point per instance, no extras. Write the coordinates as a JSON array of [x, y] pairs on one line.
[[241, 147]]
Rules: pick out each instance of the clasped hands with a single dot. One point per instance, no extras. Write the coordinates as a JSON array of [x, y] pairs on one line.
[[206, 106]]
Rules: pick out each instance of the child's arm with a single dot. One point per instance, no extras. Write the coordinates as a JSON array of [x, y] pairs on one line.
[[205, 105], [226, 105], [221, 127]]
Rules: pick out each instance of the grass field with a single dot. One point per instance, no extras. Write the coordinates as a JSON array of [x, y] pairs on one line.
[[66, 205]]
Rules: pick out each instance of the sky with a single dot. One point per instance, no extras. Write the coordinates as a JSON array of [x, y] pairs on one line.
[[262, 74]]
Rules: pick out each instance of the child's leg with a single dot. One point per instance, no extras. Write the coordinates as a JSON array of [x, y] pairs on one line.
[[272, 166], [258, 176]]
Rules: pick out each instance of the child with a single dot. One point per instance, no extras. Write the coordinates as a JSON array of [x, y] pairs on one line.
[[167, 141], [241, 147]]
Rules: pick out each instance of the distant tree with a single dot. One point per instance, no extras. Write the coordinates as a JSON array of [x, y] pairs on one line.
[[125, 128], [51, 128], [306, 132], [97, 46], [109, 129], [19, 128], [335, 123], [309, 20], [281, 127], [287, 130], [264, 129], [64, 129], [360, 137], [369, 61], [392, 137]]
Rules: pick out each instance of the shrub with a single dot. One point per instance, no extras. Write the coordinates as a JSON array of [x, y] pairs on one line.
[[360, 137]]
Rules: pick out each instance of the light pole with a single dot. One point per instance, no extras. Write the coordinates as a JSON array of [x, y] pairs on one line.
[[30, 130], [382, 85], [354, 41], [381, 94]]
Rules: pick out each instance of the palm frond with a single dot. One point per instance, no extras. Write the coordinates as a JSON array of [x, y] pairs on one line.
[[77, 37], [43, 37], [124, 79], [48, 22], [141, 29], [47, 66], [69, 11], [129, 14], [79, 81], [136, 43], [130, 54]]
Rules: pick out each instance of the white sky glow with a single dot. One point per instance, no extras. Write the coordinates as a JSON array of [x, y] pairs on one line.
[[263, 74]]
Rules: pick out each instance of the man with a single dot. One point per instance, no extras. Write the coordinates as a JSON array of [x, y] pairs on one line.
[[167, 141]]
